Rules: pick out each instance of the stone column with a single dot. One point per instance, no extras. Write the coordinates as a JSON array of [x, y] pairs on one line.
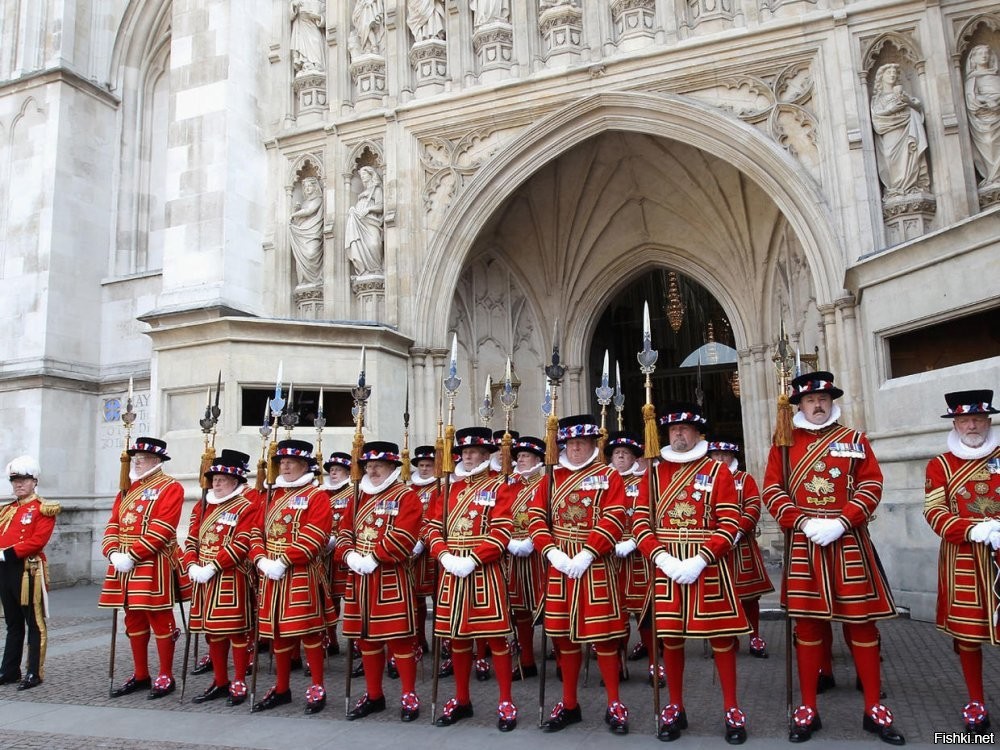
[[634, 22], [561, 27], [493, 44]]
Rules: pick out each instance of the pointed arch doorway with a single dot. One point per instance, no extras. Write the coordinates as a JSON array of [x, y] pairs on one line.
[[697, 356]]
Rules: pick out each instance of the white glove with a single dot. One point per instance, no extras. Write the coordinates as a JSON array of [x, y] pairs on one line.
[[276, 570], [464, 566], [579, 564], [355, 562], [264, 565], [527, 547], [450, 563], [122, 562], [739, 537], [689, 569], [666, 563], [418, 547], [558, 560], [823, 531], [514, 547], [331, 543], [994, 540], [368, 563], [201, 573], [626, 548], [982, 530], [1, 556]]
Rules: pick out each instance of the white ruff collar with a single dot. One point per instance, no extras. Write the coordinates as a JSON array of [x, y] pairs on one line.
[[632, 471], [496, 462], [307, 478], [418, 481], [960, 449], [528, 473], [565, 462], [373, 489], [800, 421], [733, 465], [148, 473], [461, 473], [327, 484], [211, 499], [699, 451]]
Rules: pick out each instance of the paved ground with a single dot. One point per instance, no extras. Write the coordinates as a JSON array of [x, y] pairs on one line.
[[72, 709]]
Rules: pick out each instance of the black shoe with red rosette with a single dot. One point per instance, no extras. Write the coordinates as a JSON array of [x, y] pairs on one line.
[[976, 718], [639, 651], [483, 670], [506, 716], [409, 707], [758, 647], [805, 721], [447, 669], [661, 675], [237, 693], [878, 721], [162, 685], [616, 717], [672, 720], [203, 666], [213, 692], [561, 717], [736, 726], [366, 706], [272, 699], [315, 699], [453, 711]]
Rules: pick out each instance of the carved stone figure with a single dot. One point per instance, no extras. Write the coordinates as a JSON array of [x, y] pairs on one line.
[[900, 142], [308, 41], [367, 27], [363, 237], [547, 4], [425, 19], [305, 233], [485, 11], [982, 100]]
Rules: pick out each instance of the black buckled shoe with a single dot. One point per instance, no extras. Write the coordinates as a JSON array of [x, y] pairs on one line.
[[359, 669], [805, 721], [528, 670], [878, 721], [237, 693], [447, 669], [203, 666], [132, 685], [976, 717], [30, 680], [561, 717], [673, 719], [825, 682], [409, 707], [506, 716], [272, 699], [213, 692], [9, 678], [758, 647], [333, 648], [315, 699], [483, 670], [453, 712], [736, 726], [639, 651], [366, 706], [162, 685], [616, 717]]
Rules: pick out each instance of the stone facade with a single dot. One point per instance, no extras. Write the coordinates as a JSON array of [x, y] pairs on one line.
[[153, 155]]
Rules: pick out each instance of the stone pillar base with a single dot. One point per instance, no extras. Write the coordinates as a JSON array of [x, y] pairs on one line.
[[908, 216], [368, 74], [562, 30], [493, 44], [989, 195], [634, 22], [308, 300], [370, 291], [429, 60], [310, 92]]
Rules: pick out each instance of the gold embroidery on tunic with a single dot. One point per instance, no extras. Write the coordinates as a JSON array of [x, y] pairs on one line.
[[681, 514], [819, 485]]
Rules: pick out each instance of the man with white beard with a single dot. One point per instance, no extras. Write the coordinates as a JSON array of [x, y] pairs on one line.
[[962, 505]]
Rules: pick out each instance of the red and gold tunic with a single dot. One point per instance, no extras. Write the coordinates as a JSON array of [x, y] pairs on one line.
[[585, 510], [478, 526], [696, 513], [422, 566], [224, 604], [25, 528], [143, 525], [636, 570], [336, 570], [526, 577], [294, 529], [834, 474], [748, 563], [959, 494], [380, 606]]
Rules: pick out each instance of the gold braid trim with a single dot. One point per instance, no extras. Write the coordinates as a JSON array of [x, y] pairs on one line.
[[51, 508]]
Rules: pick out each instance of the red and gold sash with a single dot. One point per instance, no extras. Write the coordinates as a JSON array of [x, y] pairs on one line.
[[814, 452]]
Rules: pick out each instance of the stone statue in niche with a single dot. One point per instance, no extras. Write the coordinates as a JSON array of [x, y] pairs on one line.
[[367, 28], [982, 100], [425, 19], [305, 233], [308, 41], [487, 11], [363, 234], [900, 139]]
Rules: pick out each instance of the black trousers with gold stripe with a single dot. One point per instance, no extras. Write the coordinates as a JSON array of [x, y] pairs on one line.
[[20, 618]]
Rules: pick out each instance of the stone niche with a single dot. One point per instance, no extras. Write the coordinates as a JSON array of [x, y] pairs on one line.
[[561, 27]]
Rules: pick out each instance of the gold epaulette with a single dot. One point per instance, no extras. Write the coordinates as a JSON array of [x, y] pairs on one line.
[[51, 508]]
